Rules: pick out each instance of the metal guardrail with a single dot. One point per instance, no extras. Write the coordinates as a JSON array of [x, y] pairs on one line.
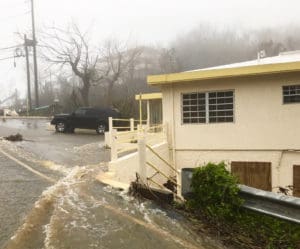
[[280, 206], [277, 205]]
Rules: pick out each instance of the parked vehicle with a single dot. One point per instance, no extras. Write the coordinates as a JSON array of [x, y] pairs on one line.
[[85, 118]]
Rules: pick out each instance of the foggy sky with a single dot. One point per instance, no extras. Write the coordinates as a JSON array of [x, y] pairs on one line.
[[153, 22]]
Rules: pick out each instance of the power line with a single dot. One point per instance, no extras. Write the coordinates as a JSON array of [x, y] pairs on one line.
[[16, 46], [6, 58]]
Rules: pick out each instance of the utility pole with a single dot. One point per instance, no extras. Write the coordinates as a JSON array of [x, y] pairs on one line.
[[26, 44], [36, 84]]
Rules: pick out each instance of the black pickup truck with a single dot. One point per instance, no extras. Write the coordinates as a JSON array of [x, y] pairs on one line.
[[85, 118]]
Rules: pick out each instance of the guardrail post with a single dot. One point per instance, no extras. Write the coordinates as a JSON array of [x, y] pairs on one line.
[[113, 147], [131, 124], [142, 155]]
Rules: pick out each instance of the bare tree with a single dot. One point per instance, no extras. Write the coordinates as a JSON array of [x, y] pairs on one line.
[[102, 66], [168, 61], [116, 60], [71, 47]]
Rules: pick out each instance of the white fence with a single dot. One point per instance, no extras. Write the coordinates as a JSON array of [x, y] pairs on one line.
[[124, 134], [148, 154]]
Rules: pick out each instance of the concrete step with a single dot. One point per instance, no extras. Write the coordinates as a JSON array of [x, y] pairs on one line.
[[107, 178]]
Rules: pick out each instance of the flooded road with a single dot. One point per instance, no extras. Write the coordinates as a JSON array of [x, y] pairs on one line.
[[80, 148], [70, 209], [19, 189]]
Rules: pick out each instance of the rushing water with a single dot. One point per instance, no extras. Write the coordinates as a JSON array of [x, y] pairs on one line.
[[77, 211]]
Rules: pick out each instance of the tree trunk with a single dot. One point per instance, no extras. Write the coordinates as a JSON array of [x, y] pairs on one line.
[[84, 91], [109, 95]]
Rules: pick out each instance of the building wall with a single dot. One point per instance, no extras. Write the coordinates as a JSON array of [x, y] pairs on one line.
[[263, 130], [282, 161]]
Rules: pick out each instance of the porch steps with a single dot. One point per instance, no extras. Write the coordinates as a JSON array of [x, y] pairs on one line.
[[107, 178]]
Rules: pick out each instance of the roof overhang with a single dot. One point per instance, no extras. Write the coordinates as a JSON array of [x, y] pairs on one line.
[[221, 73], [148, 96]]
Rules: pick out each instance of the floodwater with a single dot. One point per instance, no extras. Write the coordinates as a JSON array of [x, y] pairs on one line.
[[80, 148], [72, 209]]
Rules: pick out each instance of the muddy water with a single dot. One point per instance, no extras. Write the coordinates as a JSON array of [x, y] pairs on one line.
[[77, 211], [19, 189]]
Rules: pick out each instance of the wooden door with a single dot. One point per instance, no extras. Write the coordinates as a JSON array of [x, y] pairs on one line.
[[253, 174], [296, 180]]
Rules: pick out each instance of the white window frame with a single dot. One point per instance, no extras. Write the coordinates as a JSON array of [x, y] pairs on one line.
[[199, 117], [207, 107], [289, 95]]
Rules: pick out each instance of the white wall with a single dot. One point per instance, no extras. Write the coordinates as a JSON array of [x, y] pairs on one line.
[[262, 121], [282, 161], [263, 125]]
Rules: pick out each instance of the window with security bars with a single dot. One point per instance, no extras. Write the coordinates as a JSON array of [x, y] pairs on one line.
[[210, 107], [193, 108], [220, 107], [291, 94]]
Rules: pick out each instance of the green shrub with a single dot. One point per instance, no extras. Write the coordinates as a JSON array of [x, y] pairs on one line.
[[272, 233], [216, 196], [215, 191]]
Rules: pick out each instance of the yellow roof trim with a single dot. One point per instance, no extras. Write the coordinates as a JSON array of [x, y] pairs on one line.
[[149, 96], [223, 73]]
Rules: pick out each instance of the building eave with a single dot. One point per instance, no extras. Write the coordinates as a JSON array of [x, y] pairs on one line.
[[148, 96], [210, 74]]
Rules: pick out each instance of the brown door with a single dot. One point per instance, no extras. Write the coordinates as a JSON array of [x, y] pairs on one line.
[[296, 181], [253, 174]]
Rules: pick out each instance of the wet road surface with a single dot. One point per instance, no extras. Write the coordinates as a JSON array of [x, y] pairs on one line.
[[80, 148], [19, 189], [75, 211], [48, 152]]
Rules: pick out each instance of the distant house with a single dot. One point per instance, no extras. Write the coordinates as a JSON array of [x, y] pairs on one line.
[[247, 114]]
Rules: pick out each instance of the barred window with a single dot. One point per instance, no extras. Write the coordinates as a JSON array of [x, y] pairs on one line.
[[220, 107], [193, 108], [210, 107], [291, 94]]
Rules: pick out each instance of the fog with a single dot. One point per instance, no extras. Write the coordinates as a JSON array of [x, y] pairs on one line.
[[152, 23]]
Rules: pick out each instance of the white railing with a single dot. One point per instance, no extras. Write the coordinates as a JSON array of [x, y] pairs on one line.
[[152, 160], [124, 134], [155, 166], [121, 124]]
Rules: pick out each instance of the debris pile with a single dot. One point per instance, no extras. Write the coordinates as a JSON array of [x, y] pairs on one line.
[[14, 138], [140, 190]]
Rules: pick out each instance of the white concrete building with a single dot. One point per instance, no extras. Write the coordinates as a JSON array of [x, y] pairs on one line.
[[246, 114]]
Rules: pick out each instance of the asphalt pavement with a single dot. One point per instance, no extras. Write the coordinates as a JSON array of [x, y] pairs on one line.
[[79, 148], [45, 151]]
